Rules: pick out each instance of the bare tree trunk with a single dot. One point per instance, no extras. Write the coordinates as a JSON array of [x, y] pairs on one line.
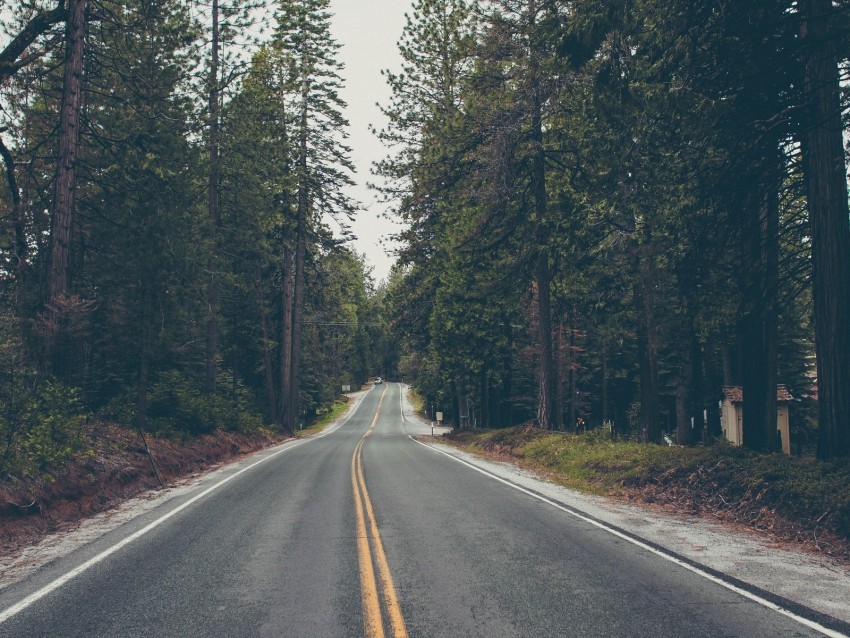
[[213, 292], [267, 363], [826, 177], [711, 392], [561, 363], [548, 413], [286, 338], [696, 391], [144, 355], [645, 307], [291, 414], [58, 282], [485, 397], [297, 320], [572, 371], [760, 324], [683, 403], [604, 356], [727, 355]]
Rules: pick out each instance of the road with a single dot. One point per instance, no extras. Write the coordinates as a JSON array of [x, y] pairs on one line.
[[364, 531]]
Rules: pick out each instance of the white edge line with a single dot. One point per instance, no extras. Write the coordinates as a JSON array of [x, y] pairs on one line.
[[696, 570], [22, 604]]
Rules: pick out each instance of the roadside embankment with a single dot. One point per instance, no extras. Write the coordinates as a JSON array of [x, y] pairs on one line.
[[116, 467], [796, 500]]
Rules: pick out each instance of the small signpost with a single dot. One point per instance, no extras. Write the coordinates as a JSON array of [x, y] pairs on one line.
[[346, 388], [439, 421]]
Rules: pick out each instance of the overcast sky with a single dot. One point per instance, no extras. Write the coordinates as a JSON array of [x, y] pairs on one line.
[[368, 31]]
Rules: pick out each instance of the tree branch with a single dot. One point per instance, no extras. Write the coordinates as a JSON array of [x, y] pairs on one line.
[[9, 63]]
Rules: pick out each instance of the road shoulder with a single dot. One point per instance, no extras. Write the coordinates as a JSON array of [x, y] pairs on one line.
[[812, 581]]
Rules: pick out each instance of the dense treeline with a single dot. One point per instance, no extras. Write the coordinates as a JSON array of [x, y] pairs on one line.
[[166, 255], [616, 208]]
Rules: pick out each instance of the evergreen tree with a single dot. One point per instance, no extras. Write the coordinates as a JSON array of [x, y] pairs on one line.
[[306, 56]]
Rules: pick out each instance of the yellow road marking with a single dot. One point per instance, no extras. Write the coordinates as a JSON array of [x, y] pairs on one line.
[[372, 619], [372, 623]]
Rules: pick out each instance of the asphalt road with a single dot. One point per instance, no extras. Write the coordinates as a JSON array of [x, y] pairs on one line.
[[364, 531]]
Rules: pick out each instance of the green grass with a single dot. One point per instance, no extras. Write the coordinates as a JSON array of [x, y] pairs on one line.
[[757, 489], [417, 401], [337, 409]]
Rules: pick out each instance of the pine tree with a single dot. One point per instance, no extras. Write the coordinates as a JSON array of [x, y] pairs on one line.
[[306, 56], [823, 28]]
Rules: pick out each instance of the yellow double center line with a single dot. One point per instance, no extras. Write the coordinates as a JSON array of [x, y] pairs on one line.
[[371, 556]]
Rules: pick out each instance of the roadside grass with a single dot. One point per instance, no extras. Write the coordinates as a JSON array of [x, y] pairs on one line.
[[416, 400], [331, 414], [796, 498]]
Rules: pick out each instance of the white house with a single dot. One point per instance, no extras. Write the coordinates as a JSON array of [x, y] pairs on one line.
[[731, 412]]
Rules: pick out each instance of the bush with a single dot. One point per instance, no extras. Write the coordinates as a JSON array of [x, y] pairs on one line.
[[177, 405], [42, 427]]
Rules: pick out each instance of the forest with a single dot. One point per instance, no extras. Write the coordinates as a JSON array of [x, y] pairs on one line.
[[612, 210], [173, 254], [617, 208]]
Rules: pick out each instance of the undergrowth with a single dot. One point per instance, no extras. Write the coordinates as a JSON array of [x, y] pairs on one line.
[[325, 417]]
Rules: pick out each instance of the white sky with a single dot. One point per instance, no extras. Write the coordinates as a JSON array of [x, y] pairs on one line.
[[369, 31]]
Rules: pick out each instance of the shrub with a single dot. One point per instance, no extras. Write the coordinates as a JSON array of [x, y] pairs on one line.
[[177, 405], [42, 427]]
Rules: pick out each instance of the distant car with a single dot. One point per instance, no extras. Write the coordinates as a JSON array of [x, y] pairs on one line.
[[378, 380]]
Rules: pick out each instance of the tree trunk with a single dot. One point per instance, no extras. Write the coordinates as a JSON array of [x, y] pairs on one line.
[[58, 282], [826, 178], [572, 371], [286, 337], [645, 309], [728, 360], [548, 414], [649, 404], [291, 415], [604, 356], [297, 319], [214, 210], [267, 363], [759, 328], [561, 363], [696, 391], [683, 396], [484, 381], [144, 354], [711, 392]]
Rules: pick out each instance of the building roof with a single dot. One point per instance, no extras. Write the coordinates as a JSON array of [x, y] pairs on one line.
[[736, 394]]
